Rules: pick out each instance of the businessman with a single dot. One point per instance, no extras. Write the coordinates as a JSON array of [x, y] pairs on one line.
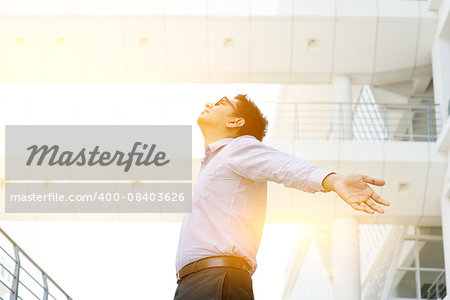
[[219, 240]]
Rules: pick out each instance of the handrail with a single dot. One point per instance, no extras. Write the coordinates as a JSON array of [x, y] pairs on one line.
[[14, 290], [356, 120], [438, 289]]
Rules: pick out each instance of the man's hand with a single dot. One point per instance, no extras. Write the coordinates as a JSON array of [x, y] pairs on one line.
[[354, 190]]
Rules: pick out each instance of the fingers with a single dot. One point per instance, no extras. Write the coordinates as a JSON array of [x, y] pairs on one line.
[[379, 182], [356, 206], [362, 207], [379, 200], [374, 206], [375, 196], [367, 208]]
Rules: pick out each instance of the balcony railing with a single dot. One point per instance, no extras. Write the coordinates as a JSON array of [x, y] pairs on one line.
[[357, 121], [438, 289], [22, 278]]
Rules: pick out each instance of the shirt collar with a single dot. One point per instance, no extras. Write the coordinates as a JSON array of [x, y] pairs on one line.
[[217, 144]]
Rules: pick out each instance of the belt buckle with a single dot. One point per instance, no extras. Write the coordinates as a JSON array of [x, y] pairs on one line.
[[178, 277], [246, 267]]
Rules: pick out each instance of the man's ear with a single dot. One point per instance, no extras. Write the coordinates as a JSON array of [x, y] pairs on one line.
[[235, 123]]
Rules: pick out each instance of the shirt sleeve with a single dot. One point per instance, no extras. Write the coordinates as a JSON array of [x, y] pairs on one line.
[[256, 161]]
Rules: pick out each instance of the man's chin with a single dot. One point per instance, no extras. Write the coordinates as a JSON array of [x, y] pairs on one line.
[[200, 120], [203, 121]]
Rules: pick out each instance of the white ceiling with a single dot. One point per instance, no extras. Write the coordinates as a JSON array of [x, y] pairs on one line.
[[375, 42]]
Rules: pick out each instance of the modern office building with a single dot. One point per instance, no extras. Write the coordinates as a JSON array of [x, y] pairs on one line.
[[364, 88]]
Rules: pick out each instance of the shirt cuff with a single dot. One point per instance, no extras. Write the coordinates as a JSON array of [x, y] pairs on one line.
[[317, 177]]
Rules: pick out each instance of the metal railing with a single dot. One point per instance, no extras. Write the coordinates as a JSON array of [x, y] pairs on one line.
[[357, 121], [438, 289], [22, 278]]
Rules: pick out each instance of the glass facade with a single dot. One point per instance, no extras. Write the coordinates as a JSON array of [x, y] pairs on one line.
[[419, 267]]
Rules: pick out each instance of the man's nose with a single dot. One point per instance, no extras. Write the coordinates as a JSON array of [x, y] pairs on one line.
[[209, 105]]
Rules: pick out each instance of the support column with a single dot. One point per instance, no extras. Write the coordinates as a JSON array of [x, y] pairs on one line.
[[345, 248], [441, 75], [342, 111], [440, 55], [445, 211]]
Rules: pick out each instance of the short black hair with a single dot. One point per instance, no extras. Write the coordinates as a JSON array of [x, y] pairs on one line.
[[255, 122]]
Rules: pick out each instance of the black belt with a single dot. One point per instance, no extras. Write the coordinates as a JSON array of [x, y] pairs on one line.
[[212, 262]]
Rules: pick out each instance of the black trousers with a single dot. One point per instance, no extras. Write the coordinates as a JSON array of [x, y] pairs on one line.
[[220, 283]]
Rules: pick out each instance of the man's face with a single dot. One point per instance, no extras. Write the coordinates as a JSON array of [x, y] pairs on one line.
[[219, 113]]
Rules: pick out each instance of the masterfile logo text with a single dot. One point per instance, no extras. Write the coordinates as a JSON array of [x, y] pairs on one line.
[[90, 158], [96, 169], [51, 152]]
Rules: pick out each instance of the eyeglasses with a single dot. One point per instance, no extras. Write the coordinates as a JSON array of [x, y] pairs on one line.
[[226, 100]]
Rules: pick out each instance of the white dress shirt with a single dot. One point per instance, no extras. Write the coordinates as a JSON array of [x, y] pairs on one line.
[[229, 198]]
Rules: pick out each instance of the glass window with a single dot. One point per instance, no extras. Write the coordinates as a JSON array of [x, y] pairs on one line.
[[404, 284], [431, 254], [431, 230], [407, 258], [427, 278]]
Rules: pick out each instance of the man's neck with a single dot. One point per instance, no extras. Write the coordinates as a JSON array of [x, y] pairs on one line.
[[211, 139], [212, 135]]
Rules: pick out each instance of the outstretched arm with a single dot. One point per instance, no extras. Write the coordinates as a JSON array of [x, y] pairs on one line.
[[256, 161], [354, 190]]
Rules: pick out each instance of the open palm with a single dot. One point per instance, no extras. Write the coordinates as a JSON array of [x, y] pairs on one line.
[[354, 190]]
